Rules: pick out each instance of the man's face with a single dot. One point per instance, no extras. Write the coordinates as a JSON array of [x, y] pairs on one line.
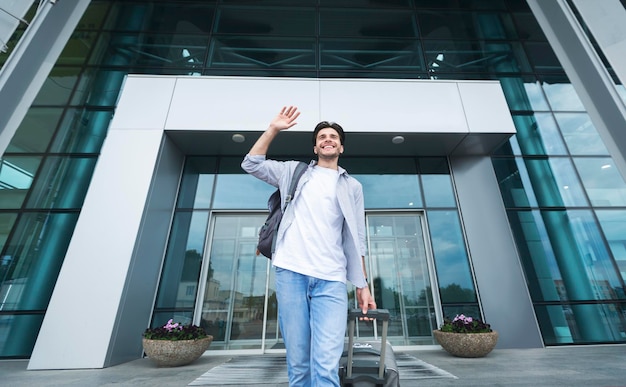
[[328, 144]]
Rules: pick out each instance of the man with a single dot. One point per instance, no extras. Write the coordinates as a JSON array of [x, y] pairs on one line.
[[320, 245]]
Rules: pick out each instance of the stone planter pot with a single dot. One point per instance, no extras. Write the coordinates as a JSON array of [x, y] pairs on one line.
[[467, 344], [173, 353]]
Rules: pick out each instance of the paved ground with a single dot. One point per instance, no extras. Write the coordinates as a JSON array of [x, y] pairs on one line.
[[589, 366]]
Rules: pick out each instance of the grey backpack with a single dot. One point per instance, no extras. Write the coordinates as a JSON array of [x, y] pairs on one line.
[[267, 234]]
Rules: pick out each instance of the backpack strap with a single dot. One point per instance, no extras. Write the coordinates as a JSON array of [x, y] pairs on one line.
[[297, 174]]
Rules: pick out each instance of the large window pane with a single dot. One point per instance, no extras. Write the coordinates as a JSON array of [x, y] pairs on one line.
[[197, 184], [435, 176], [580, 134], [82, 131], [613, 223], [390, 191], [471, 56], [33, 258], [372, 54], [234, 299], [183, 259], [34, 133], [250, 52], [58, 86], [514, 182], [451, 260], [241, 192], [603, 182], [538, 135], [581, 255], [368, 23], [555, 182], [16, 177], [582, 324], [62, 182], [267, 21], [19, 341], [561, 95]]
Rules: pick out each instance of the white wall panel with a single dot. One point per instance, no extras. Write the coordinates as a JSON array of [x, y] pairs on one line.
[[144, 103], [485, 107], [393, 105], [92, 277], [241, 104]]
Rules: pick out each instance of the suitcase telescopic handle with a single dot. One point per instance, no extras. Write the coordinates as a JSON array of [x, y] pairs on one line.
[[379, 314]]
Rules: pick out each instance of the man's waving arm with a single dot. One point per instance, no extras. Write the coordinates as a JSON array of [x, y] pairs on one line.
[[284, 120]]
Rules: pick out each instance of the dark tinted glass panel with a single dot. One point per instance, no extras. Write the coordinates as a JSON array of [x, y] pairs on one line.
[[34, 255], [543, 273], [368, 23], [451, 261], [371, 54], [82, 131], [94, 16], [98, 87], [34, 133], [266, 21], [262, 53], [459, 56], [527, 26], [465, 25], [20, 339], [58, 87], [183, 18], [196, 187], [62, 182], [16, 177], [78, 48], [581, 324], [435, 177], [365, 3], [183, 260], [514, 183], [7, 220], [542, 58]]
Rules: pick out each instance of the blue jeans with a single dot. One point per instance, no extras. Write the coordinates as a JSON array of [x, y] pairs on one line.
[[313, 316]]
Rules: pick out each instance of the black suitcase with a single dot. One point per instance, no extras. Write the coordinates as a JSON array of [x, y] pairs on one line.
[[370, 363]]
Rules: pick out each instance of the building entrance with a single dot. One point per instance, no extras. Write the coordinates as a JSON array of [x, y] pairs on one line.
[[237, 299]]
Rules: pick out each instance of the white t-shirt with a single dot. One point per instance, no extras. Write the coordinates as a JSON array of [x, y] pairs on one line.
[[312, 243]]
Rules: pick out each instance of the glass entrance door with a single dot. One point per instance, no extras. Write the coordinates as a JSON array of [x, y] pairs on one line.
[[402, 275], [237, 305], [237, 300]]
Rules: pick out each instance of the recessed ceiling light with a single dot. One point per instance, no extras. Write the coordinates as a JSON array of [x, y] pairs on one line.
[[397, 140], [238, 137]]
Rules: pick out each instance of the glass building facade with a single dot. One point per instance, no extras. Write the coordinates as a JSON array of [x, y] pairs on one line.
[[564, 195]]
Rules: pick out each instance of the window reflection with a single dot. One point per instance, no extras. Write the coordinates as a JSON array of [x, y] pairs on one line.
[[555, 182], [613, 223], [562, 96], [603, 182], [580, 134], [538, 135], [390, 191], [451, 260]]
